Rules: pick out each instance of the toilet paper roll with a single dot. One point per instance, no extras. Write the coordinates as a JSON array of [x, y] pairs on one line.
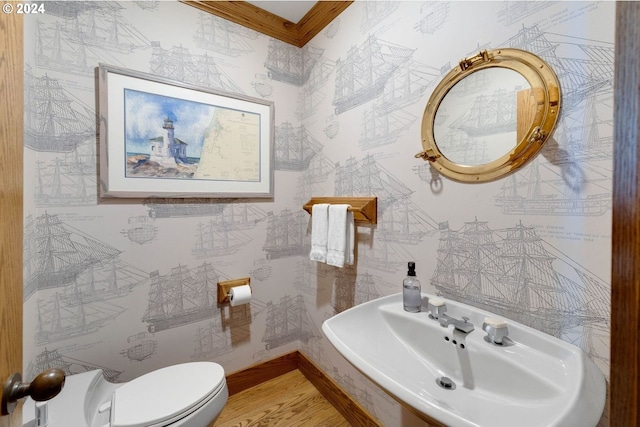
[[239, 295]]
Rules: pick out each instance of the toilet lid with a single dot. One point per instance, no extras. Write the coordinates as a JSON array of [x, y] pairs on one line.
[[164, 396]]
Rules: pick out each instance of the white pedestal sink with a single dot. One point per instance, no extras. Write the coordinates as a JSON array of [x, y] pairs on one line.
[[532, 380]]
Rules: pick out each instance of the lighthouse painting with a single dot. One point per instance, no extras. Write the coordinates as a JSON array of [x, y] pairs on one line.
[[166, 140], [164, 135], [167, 149]]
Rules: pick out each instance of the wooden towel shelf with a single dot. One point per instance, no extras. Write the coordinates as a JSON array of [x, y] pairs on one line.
[[365, 209]]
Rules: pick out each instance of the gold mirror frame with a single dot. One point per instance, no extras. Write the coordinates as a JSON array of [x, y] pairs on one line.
[[544, 107]]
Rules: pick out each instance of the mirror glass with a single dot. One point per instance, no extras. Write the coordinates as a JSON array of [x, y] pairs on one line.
[[490, 115], [477, 120]]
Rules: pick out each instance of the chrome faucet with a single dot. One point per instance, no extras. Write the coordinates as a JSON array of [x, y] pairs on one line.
[[437, 309], [462, 325], [496, 330]]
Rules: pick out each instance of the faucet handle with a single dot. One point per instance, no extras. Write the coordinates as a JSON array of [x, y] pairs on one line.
[[496, 329], [436, 307]]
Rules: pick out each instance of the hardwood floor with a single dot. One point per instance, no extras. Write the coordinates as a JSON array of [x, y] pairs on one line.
[[289, 400]]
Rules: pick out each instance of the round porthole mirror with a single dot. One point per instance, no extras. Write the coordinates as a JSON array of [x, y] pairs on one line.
[[490, 115]]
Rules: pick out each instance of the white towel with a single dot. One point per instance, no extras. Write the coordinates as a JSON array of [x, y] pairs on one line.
[[351, 237], [319, 232], [340, 240]]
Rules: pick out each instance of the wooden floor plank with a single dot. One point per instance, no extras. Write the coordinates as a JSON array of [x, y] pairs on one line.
[[309, 408], [289, 400], [262, 396]]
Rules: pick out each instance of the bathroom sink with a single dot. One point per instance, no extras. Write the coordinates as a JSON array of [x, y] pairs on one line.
[[461, 379]]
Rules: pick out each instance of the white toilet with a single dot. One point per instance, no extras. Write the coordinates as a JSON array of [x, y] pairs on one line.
[[184, 395]]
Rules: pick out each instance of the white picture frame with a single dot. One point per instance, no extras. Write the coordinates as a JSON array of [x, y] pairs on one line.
[[163, 138]]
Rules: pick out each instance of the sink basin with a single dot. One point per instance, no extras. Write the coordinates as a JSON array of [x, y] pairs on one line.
[[533, 379]]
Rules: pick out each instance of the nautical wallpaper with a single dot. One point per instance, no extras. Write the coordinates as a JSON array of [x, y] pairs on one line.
[[129, 286]]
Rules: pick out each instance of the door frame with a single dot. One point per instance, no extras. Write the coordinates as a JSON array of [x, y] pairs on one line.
[[11, 198], [624, 377]]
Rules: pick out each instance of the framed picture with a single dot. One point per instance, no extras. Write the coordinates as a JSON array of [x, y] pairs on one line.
[[162, 138]]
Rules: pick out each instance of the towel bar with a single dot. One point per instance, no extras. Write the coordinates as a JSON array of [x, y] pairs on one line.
[[365, 209]]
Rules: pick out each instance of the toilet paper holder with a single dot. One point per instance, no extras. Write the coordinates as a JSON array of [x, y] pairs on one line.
[[225, 287]]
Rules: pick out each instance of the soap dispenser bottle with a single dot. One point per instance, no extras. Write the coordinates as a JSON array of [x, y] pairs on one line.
[[411, 289]]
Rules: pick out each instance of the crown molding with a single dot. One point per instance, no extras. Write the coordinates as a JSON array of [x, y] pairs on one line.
[[265, 22]]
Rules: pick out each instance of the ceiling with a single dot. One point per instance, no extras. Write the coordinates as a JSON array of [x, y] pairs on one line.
[[268, 17], [292, 11]]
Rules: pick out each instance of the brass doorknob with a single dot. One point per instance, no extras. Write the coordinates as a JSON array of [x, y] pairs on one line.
[[43, 387]]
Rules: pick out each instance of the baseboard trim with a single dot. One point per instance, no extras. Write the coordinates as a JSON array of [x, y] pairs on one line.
[[330, 390], [261, 372]]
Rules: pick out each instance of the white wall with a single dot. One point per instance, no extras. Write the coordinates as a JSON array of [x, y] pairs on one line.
[[556, 223], [565, 213]]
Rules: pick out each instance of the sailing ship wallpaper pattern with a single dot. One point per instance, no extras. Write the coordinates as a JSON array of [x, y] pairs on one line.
[[131, 287]]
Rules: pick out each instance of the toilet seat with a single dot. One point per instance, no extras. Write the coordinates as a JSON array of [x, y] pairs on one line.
[[166, 395]]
